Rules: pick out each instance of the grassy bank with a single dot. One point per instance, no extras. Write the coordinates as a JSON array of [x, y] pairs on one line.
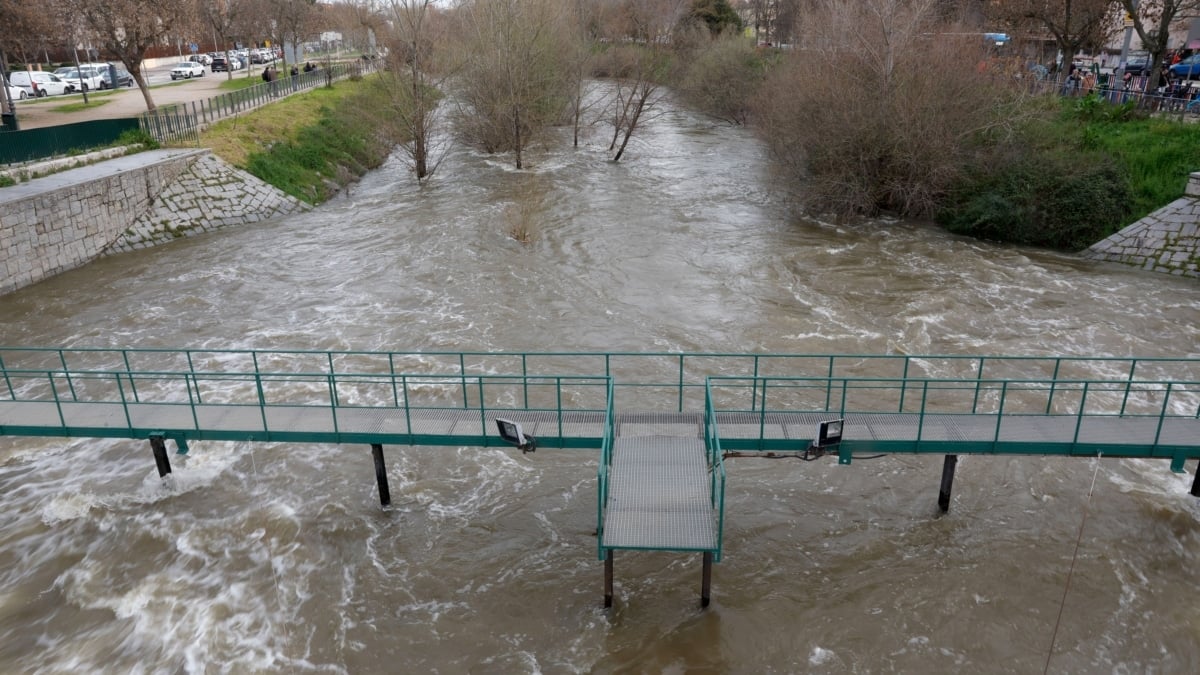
[[311, 144], [1072, 178]]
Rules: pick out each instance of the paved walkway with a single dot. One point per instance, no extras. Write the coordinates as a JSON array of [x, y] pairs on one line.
[[87, 174]]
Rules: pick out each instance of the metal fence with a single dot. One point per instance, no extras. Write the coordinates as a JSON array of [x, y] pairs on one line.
[[64, 139], [1182, 99], [182, 123]]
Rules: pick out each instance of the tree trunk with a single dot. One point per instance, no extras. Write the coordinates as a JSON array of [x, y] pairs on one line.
[[517, 135]]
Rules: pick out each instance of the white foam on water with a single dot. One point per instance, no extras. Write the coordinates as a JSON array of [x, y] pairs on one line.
[[820, 656]]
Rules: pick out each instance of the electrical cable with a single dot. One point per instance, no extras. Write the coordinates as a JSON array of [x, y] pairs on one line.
[[1071, 570]]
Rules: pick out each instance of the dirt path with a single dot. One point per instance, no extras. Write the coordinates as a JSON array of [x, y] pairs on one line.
[[127, 102]]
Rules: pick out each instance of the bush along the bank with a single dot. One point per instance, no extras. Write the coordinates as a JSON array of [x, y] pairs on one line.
[[1041, 199], [1069, 180]]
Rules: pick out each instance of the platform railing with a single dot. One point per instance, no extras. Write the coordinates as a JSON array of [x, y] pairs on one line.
[[196, 390], [602, 471], [716, 467], [983, 400], [644, 380]]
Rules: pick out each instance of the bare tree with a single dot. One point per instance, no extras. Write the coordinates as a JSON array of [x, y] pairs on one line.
[[878, 113], [1074, 24], [416, 77], [641, 72], [25, 29], [129, 28], [291, 21], [1152, 21], [514, 79], [224, 18]]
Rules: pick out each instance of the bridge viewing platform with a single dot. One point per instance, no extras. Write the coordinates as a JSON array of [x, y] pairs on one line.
[[663, 423]]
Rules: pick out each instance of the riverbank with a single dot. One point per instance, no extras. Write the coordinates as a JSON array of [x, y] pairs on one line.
[[310, 145]]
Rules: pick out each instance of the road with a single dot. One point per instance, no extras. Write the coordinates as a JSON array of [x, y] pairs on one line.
[[127, 101]]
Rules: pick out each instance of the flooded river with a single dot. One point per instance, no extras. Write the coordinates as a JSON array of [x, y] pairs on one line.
[[278, 558]]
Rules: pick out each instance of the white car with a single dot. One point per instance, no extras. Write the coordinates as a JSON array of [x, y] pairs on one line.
[[87, 78], [38, 83], [16, 93], [187, 70]]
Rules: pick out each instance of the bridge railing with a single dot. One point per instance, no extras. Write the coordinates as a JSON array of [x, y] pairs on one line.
[[716, 465], [606, 455], [644, 380], [196, 390], [987, 404]]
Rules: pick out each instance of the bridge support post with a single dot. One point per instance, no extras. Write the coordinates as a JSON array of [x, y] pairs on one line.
[[385, 495], [1196, 481], [706, 579], [159, 446], [947, 482], [608, 578]]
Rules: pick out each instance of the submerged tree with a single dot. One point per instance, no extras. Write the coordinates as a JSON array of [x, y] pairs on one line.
[[516, 77], [415, 78], [877, 113]]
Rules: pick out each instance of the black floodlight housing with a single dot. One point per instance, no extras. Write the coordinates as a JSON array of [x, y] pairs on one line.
[[829, 434], [511, 432]]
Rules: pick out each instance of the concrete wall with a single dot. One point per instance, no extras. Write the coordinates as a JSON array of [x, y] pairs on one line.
[[60, 222], [1167, 240]]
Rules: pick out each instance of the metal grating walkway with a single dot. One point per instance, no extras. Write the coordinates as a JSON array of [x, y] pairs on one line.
[[659, 495]]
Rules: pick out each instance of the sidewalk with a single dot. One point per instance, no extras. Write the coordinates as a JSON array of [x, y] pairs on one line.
[[86, 174]]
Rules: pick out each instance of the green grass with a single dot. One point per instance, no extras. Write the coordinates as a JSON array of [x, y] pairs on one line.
[[80, 105], [309, 144], [239, 81], [1156, 154]]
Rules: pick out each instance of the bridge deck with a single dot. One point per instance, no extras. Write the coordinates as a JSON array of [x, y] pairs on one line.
[[659, 497], [897, 432]]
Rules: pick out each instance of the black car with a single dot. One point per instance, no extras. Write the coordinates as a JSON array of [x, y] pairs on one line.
[[219, 64], [1138, 64], [124, 79]]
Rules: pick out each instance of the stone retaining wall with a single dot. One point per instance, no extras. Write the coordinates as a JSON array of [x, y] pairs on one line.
[[207, 196], [55, 224], [1167, 240]]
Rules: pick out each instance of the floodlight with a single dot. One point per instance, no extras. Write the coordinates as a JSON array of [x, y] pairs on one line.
[[511, 432], [830, 433]]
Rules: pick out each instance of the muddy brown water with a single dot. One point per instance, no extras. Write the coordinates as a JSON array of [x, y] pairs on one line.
[[278, 558]]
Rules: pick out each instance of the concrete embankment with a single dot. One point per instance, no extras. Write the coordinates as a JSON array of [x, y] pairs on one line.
[[57, 223], [1167, 240]]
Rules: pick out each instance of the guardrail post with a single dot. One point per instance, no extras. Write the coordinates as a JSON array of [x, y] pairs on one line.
[[948, 467], [159, 446], [385, 495]]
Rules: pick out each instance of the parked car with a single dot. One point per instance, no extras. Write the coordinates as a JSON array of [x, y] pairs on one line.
[[202, 59], [222, 63], [38, 83], [124, 79], [1188, 68], [86, 78], [15, 93], [1138, 64], [187, 70]]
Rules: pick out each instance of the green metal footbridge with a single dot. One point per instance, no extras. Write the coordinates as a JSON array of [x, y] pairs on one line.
[[663, 423]]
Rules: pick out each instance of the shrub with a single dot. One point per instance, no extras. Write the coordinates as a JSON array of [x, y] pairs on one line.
[[1057, 201], [721, 77], [878, 107]]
